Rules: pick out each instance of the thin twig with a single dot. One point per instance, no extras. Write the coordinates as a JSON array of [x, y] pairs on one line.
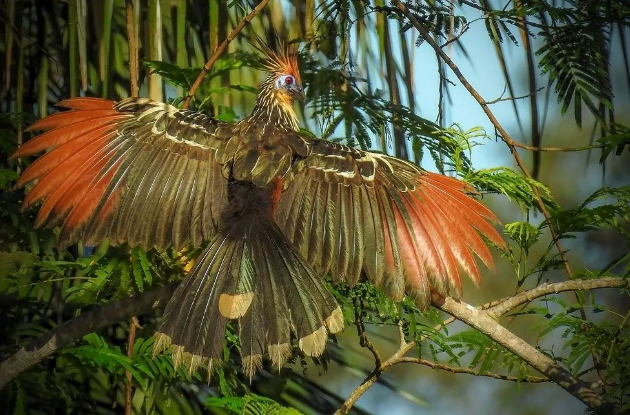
[[399, 358], [453, 39], [612, 344], [453, 369], [133, 49], [559, 149], [134, 91], [516, 23], [364, 341], [220, 49], [501, 99], [133, 324]]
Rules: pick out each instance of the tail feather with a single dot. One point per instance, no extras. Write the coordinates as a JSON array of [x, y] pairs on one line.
[[252, 273]]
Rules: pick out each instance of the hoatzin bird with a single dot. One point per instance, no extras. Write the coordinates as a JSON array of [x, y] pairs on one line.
[[278, 210]]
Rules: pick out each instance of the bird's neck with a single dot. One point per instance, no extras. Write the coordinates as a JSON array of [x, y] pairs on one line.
[[274, 107]]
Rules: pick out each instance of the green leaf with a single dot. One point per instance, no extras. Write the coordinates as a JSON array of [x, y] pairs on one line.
[[513, 185], [250, 404], [523, 233]]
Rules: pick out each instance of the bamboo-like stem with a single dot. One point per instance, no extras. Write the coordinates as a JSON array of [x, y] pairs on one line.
[[8, 39], [42, 87], [213, 18], [220, 49], [72, 47], [155, 48], [181, 57], [132, 40], [19, 98], [533, 99], [391, 67], [133, 324], [82, 42], [105, 46]]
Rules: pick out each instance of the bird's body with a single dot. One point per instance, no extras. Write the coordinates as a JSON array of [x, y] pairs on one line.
[[279, 210]]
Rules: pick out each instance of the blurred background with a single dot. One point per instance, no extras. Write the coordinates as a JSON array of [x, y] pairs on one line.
[[55, 49]]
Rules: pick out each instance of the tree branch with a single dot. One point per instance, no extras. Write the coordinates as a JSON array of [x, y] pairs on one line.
[[498, 308], [220, 49], [492, 311], [484, 323], [71, 330], [373, 377]]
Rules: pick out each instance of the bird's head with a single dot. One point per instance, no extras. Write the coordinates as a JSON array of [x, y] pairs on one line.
[[282, 86], [282, 65], [289, 85]]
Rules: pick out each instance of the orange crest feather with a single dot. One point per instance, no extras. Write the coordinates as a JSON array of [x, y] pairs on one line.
[[281, 59]]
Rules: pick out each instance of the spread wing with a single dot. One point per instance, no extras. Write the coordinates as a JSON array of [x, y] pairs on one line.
[[143, 172], [409, 230]]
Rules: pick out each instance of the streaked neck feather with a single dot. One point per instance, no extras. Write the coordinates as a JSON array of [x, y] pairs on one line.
[[273, 107]]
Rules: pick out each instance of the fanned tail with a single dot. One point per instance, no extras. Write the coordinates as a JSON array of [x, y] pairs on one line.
[[252, 273]]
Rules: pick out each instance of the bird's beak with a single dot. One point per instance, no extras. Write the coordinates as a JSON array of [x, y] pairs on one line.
[[299, 93]]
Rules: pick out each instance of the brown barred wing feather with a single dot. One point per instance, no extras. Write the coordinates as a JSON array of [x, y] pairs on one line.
[[410, 231]]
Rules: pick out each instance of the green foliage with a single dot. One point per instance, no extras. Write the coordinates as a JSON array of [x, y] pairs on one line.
[[523, 233], [574, 56], [513, 185], [615, 141], [608, 341], [99, 354], [251, 404], [594, 213], [437, 17]]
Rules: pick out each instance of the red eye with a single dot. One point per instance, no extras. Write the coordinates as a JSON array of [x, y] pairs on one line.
[[288, 80]]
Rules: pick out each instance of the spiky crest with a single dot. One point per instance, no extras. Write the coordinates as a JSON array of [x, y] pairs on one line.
[[279, 58], [273, 106]]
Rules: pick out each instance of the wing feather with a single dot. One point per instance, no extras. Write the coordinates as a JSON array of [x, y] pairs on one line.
[[121, 170], [410, 231]]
